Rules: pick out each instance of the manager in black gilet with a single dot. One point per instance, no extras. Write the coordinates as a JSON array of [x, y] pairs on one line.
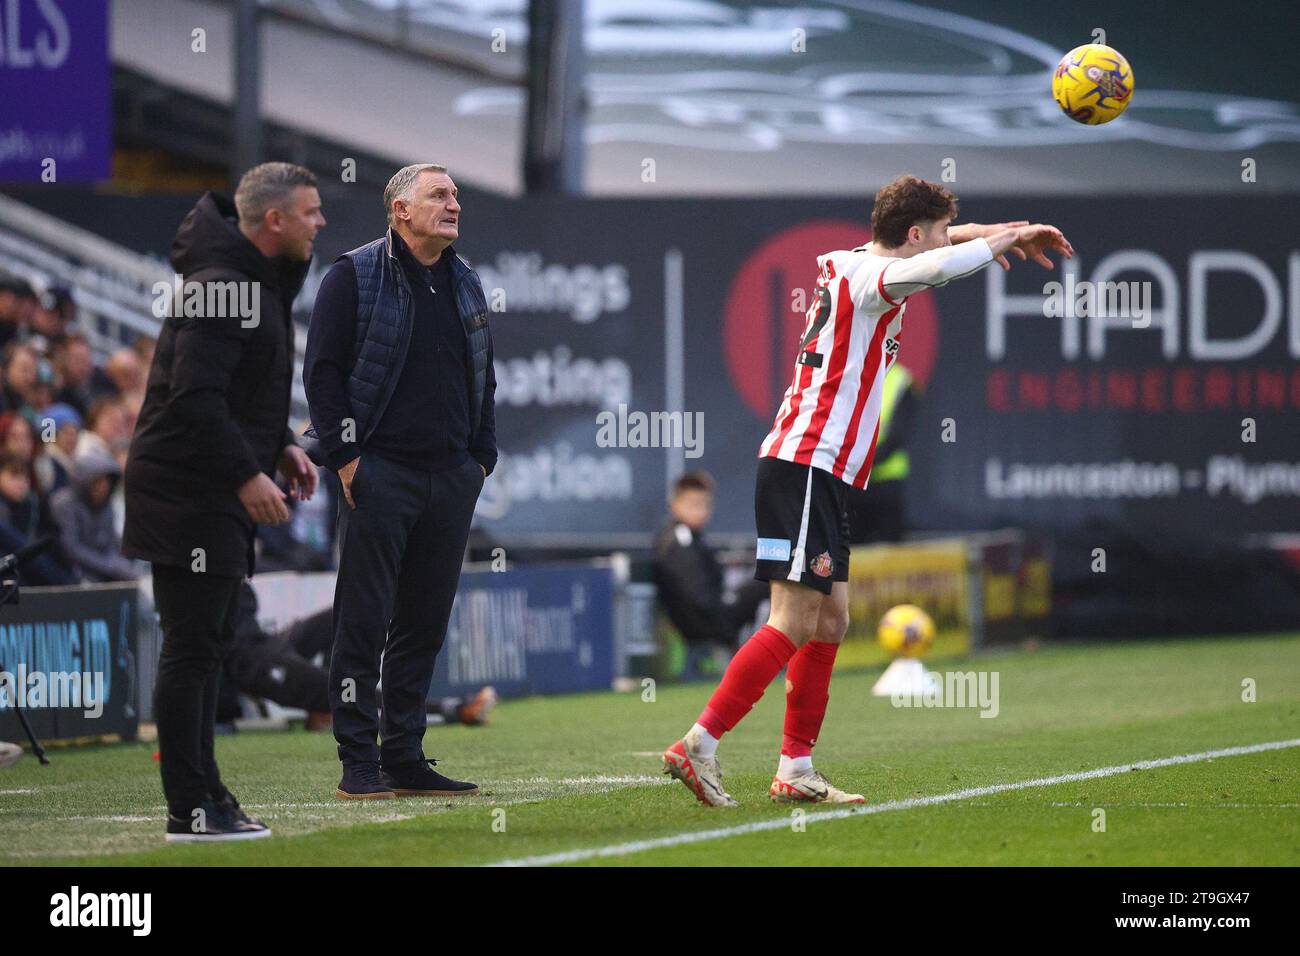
[[399, 381]]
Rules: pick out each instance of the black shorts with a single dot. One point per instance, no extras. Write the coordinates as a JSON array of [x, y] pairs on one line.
[[803, 525]]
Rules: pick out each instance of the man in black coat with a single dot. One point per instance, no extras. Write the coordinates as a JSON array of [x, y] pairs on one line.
[[212, 432], [399, 380]]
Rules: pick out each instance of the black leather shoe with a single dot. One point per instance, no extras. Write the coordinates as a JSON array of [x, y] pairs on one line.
[[231, 806], [215, 824], [363, 781], [419, 779]]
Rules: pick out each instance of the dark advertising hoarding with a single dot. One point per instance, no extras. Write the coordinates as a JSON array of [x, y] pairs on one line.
[[68, 659], [530, 630], [1049, 399], [624, 326]]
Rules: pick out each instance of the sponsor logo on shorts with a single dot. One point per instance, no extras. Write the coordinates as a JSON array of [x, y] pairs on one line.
[[822, 565], [774, 549]]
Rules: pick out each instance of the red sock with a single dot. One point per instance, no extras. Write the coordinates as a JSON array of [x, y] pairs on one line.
[[759, 660], [808, 681]]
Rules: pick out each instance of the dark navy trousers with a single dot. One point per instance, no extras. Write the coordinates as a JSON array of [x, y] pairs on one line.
[[401, 553]]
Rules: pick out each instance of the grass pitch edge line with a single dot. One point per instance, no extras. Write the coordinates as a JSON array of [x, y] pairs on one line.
[[780, 823]]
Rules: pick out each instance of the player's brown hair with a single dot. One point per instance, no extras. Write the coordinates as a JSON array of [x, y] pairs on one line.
[[693, 481], [906, 202]]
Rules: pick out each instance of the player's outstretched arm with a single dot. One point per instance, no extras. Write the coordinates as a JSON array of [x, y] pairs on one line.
[[938, 267], [978, 230], [1030, 242], [934, 268]]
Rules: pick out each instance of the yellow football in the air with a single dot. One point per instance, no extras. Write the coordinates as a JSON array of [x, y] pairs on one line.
[[1093, 84]]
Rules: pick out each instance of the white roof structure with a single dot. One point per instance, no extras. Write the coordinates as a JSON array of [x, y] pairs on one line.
[[827, 98]]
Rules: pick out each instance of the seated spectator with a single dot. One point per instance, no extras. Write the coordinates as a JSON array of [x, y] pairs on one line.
[[75, 364], [128, 374], [17, 436], [47, 383], [17, 303], [688, 576], [108, 426], [21, 378], [55, 312], [20, 507], [24, 517], [86, 520], [53, 466]]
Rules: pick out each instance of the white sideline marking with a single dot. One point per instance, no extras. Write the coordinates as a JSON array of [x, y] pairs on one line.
[[781, 823], [1181, 806]]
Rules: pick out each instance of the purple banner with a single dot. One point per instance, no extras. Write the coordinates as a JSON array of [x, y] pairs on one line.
[[55, 86]]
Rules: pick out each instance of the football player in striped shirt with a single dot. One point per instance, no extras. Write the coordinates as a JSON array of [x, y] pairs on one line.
[[823, 441]]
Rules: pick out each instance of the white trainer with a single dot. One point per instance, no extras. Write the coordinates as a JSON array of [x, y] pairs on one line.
[[9, 754]]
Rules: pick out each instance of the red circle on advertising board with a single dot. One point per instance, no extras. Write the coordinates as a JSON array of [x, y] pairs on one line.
[[761, 327]]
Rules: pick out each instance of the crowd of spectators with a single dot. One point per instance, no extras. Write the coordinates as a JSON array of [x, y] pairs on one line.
[[65, 426]]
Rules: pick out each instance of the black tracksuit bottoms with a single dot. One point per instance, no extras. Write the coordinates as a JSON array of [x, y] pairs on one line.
[[197, 613]]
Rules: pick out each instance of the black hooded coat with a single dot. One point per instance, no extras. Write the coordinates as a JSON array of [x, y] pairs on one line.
[[217, 405]]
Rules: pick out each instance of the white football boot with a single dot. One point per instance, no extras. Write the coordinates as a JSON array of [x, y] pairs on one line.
[[809, 787], [702, 775]]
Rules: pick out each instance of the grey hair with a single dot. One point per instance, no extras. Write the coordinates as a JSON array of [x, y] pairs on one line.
[[266, 187], [403, 181]]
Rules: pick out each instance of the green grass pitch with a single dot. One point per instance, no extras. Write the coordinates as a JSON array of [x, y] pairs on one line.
[[575, 773]]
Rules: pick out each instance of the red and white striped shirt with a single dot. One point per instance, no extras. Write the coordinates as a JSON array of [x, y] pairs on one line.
[[830, 416]]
